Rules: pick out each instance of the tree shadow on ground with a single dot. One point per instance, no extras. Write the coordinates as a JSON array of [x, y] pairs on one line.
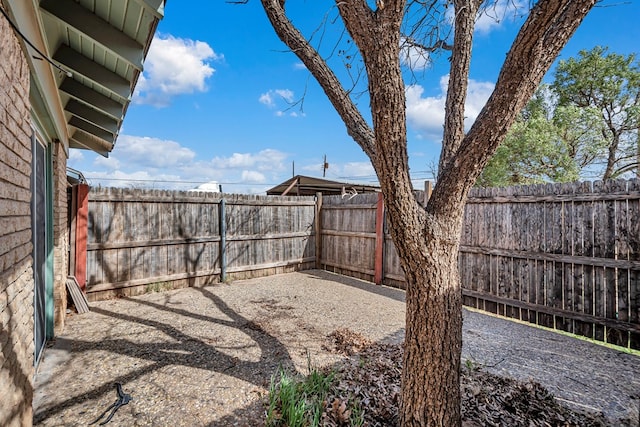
[[182, 350], [385, 291]]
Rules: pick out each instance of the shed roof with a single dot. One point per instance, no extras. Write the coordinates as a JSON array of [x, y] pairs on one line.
[[301, 185]]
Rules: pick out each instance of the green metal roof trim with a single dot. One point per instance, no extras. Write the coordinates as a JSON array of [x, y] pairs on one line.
[[102, 44]]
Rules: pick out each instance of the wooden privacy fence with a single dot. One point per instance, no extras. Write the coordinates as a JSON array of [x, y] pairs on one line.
[[146, 239], [565, 256]]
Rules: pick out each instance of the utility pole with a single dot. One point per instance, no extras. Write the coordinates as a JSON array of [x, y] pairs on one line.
[[325, 166]]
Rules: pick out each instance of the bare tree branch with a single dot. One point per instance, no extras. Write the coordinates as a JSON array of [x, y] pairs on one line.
[[357, 126], [465, 12], [543, 35]]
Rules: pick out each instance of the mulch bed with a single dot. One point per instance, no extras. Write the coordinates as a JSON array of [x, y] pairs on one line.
[[371, 375]]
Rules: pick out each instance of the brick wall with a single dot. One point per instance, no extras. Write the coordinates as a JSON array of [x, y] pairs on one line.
[[16, 275], [60, 237]]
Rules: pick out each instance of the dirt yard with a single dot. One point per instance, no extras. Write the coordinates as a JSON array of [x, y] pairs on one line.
[[205, 356]]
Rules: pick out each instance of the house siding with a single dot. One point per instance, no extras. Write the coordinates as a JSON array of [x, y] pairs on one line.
[[16, 265]]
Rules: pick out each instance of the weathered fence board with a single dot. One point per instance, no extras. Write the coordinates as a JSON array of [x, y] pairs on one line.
[[349, 235], [143, 239], [585, 249], [564, 256]]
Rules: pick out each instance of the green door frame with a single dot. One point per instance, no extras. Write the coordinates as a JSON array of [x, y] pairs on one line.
[[48, 179]]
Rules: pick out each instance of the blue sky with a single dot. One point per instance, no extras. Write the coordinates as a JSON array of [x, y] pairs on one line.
[[218, 100]]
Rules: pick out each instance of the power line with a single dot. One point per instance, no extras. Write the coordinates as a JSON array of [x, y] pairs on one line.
[[27, 41], [96, 178]]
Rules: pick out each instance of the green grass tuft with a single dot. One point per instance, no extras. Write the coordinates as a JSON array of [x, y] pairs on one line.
[[297, 401]]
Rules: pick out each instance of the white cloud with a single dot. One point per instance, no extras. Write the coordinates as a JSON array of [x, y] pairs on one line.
[[426, 114], [477, 95], [174, 66], [111, 162], [494, 13], [253, 177], [413, 56], [153, 152], [267, 99], [237, 160], [146, 162], [281, 100], [264, 160], [75, 155], [286, 94], [357, 169]]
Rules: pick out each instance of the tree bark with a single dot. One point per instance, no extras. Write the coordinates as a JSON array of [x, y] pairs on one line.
[[612, 153], [465, 13], [433, 337]]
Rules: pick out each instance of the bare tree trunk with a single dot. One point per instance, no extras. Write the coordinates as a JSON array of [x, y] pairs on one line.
[[427, 240], [433, 340]]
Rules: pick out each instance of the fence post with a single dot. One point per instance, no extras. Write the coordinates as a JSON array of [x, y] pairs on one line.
[[318, 226], [223, 241], [379, 255], [81, 234]]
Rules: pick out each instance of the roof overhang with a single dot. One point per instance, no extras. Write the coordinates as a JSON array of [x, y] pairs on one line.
[[101, 46]]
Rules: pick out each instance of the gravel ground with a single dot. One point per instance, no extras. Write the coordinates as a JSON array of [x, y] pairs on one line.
[[204, 356]]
